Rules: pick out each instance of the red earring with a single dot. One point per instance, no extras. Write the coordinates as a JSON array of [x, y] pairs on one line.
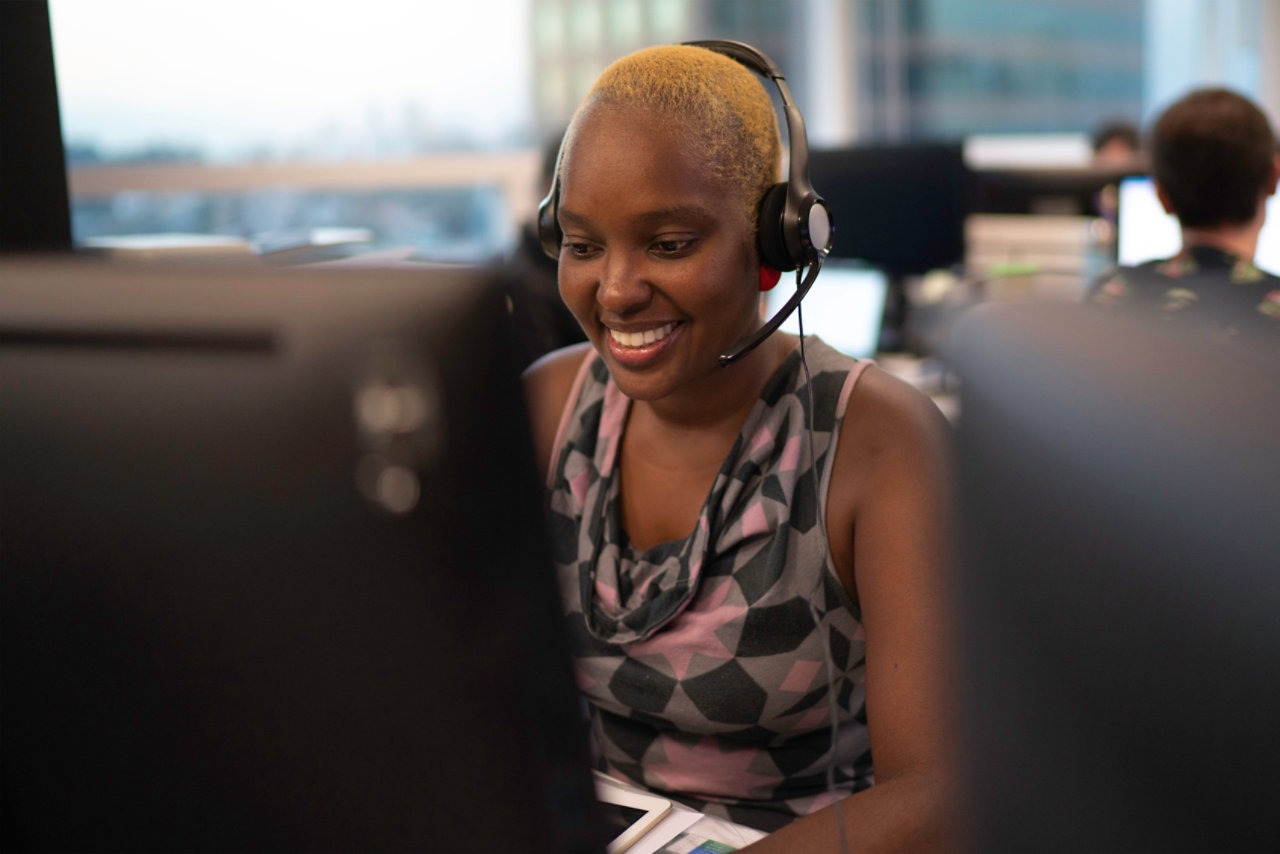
[[768, 277]]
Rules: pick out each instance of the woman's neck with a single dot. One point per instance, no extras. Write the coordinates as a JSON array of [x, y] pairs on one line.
[[722, 401]]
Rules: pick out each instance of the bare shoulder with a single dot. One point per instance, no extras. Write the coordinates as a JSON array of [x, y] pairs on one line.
[[891, 476], [547, 383], [888, 416]]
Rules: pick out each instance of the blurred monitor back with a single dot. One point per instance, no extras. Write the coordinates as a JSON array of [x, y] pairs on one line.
[[1118, 590], [35, 208], [897, 207], [845, 307], [274, 568], [1144, 232], [1044, 190]]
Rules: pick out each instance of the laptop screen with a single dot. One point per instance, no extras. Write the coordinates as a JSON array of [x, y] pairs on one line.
[[1145, 232], [844, 308]]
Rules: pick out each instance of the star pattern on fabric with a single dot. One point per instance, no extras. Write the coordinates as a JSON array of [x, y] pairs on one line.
[[607, 596], [694, 768], [694, 631], [790, 458], [800, 677], [578, 485], [754, 521], [611, 424], [720, 692], [584, 679], [814, 718]]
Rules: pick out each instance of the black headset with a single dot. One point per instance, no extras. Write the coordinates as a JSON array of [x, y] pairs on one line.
[[794, 224]]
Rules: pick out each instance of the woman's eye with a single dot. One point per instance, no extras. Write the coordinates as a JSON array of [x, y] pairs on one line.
[[578, 250], [672, 247]]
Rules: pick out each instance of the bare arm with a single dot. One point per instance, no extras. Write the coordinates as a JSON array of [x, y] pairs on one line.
[[888, 521], [547, 383]]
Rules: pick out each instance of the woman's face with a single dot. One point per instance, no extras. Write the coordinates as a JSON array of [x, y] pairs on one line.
[[658, 262]]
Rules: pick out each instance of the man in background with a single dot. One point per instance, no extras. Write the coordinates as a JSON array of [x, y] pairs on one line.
[[1117, 144], [1214, 163]]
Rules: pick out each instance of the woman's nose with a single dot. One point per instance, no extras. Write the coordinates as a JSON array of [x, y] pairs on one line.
[[623, 286]]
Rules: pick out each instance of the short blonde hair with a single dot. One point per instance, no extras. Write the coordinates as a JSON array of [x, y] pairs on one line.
[[719, 108]]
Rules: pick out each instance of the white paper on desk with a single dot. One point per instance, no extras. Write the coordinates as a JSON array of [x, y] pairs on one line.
[[672, 824]]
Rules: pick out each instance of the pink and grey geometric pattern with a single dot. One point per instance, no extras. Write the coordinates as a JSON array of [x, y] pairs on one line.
[[700, 658]]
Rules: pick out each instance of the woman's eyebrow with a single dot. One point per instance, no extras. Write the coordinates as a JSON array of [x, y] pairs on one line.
[[677, 213]]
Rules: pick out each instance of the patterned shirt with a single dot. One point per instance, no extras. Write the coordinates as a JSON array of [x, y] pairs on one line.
[[703, 659], [1204, 287]]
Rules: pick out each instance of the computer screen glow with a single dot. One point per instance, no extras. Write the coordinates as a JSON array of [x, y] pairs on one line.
[[1145, 232], [844, 308]]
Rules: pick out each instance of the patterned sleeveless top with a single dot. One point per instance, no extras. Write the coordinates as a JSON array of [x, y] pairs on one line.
[[701, 661]]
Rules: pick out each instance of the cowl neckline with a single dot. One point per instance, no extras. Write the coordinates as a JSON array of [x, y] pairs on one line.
[[630, 594]]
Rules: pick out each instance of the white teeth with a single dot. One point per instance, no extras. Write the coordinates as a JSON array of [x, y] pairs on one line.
[[640, 339]]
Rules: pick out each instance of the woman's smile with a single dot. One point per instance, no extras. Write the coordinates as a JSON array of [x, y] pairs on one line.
[[639, 348]]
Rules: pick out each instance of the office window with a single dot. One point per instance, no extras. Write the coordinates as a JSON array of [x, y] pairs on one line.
[[250, 116], [584, 77], [951, 68], [669, 21], [626, 21], [553, 97], [729, 14], [586, 25], [548, 27]]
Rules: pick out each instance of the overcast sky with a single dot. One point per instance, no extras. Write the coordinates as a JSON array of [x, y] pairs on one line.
[[314, 75]]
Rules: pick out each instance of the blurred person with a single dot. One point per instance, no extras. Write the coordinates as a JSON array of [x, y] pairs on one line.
[[1214, 163], [541, 320], [1116, 144], [1117, 148], [746, 551]]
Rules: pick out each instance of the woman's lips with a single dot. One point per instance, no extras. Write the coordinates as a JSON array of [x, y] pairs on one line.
[[637, 348], [641, 339]]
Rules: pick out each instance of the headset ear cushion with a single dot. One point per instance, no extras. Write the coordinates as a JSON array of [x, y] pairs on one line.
[[769, 237], [548, 229]]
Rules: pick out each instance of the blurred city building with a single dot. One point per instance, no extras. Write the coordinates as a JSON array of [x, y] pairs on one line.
[[420, 122], [885, 70], [879, 69]]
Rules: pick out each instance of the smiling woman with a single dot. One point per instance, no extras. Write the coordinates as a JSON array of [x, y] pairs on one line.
[[641, 213], [751, 555]]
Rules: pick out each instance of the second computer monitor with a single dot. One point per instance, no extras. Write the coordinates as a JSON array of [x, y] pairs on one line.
[[1145, 232], [898, 207], [845, 307]]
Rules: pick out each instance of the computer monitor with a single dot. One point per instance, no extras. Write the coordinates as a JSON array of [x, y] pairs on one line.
[[35, 209], [897, 207], [845, 307], [1145, 232], [1061, 191], [1117, 592], [274, 570]]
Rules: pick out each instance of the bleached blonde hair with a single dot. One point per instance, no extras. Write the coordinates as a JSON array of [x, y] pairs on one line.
[[717, 107]]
